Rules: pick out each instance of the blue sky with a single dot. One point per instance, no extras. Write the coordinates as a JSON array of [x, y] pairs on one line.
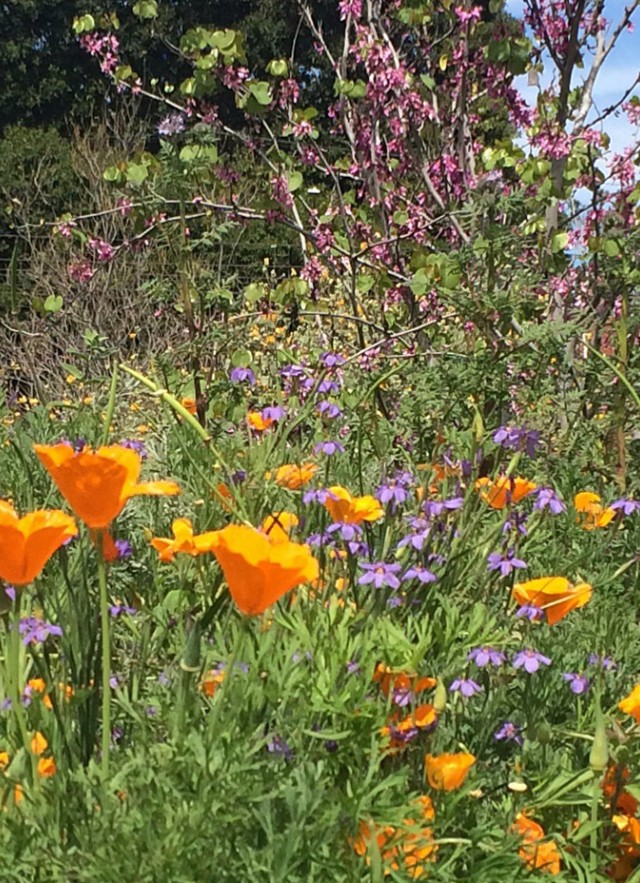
[[617, 74]]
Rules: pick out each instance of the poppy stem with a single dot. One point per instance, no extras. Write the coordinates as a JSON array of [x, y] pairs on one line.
[[221, 694], [111, 404], [106, 657]]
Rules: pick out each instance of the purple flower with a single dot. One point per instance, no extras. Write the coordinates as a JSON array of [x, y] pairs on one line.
[[517, 521], [419, 532], [380, 574], [346, 530], [466, 687], [135, 445], [318, 495], [279, 748], [578, 683], [528, 611], [505, 563], [328, 387], [605, 661], [171, 125], [353, 668], [420, 573], [273, 412], [124, 549], [293, 372], [395, 601], [243, 375], [509, 732], [628, 506], [548, 499], [394, 490], [486, 656], [36, 631], [331, 360], [10, 592], [116, 610], [530, 660], [435, 508], [329, 410], [329, 448], [518, 439]]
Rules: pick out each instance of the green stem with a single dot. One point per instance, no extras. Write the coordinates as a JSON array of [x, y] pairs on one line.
[[593, 837], [111, 405], [106, 658], [14, 666], [221, 694]]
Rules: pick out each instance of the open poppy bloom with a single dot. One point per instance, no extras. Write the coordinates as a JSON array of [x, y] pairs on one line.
[[535, 852], [631, 704], [258, 569], [502, 491], [592, 513], [342, 507], [553, 594], [97, 484], [183, 540], [446, 772], [404, 730], [294, 477], [27, 543]]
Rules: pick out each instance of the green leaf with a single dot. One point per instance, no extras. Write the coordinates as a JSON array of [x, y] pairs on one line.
[[145, 9], [199, 153], [611, 248], [294, 181], [137, 173], [83, 23], [53, 303], [559, 241], [261, 91], [278, 67]]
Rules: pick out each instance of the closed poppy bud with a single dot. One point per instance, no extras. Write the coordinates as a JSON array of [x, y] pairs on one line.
[[599, 755], [440, 697], [543, 732], [191, 657]]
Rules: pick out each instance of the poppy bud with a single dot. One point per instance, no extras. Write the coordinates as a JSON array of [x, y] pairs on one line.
[[191, 657], [440, 697], [543, 732], [599, 755]]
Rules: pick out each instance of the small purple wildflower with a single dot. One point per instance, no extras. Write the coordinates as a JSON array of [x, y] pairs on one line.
[[10, 592], [124, 549], [420, 573], [395, 490], [36, 631], [329, 448], [279, 748], [530, 660], [517, 521], [509, 732], [528, 611], [506, 563], [116, 610], [242, 375], [466, 687], [273, 412], [353, 667], [329, 410], [173, 124], [380, 574], [578, 683], [606, 662], [328, 387], [346, 530], [331, 360], [6, 704], [546, 498], [486, 656], [395, 601], [318, 495], [419, 533], [518, 439], [135, 445], [628, 507]]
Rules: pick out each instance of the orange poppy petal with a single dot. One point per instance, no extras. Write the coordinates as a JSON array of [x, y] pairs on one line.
[[161, 488]]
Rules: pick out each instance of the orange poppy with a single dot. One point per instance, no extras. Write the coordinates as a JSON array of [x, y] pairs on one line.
[[97, 484], [343, 507], [211, 681], [630, 827], [412, 844], [394, 680], [502, 491], [615, 778], [553, 594], [39, 744], [594, 514], [446, 772], [631, 704], [257, 422], [183, 540], [279, 525], [47, 767], [294, 477], [27, 543], [402, 731], [260, 570], [535, 852], [189, 404]]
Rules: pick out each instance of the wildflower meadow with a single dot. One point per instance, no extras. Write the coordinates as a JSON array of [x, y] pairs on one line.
[[320, 442]]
